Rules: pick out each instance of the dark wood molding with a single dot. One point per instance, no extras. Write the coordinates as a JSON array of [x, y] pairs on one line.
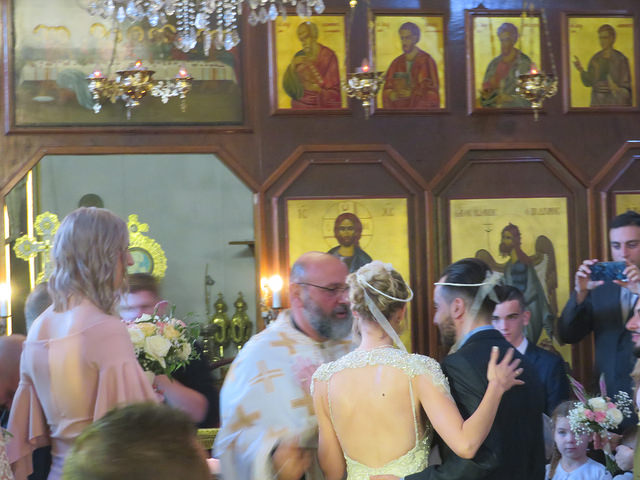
[[218, 151]]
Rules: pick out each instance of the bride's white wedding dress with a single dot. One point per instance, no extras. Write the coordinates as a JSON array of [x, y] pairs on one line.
[[416, 459], [5, 469]]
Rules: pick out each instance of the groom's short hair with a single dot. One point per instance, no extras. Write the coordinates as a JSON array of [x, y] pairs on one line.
[[467, 271]]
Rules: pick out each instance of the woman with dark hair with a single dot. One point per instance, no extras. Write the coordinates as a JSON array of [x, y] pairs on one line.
[[78, 361]]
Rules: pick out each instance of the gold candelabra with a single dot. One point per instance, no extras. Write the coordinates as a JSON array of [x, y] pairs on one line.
[[240, 326], [535, 87], [270, 301], [133, 84], [363, 85]]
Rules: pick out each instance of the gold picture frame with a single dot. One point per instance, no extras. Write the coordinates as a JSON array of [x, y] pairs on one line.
[[533, 232], [380, 224], [308, 64], [424, 88], [492, 37], [599, 62]]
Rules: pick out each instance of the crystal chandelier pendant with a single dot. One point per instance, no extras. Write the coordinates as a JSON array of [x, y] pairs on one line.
[[200, 20]]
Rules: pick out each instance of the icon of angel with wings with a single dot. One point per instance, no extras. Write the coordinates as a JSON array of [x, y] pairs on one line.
[[534, 275]]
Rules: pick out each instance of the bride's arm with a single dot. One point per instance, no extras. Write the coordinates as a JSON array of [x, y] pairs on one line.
[[465, 437], [330, 454]]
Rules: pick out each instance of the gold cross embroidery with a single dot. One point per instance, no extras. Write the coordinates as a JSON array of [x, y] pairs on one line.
[[305, 401], [285, 342], [244, 420], [266, 376], [277, 433]]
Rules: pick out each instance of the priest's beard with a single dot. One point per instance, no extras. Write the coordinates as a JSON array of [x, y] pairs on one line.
[[328, 325]]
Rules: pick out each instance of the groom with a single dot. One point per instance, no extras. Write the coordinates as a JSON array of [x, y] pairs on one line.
[[514, 448]]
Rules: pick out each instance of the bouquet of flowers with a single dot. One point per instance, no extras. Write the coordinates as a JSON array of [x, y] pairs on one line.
[[598, 415], [163, 343]]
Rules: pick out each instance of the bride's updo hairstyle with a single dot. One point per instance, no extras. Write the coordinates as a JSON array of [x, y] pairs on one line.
[[382, 277], [86, 252]]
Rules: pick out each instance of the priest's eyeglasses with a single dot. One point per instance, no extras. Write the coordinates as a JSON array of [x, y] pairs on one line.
[[332, 290]]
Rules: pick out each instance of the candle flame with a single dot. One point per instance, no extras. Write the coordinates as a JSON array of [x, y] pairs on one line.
[[138, 64], [365, 65], [182, 72], [96, 74]]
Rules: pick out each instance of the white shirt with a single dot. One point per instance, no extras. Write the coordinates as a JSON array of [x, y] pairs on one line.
[[523, 346]]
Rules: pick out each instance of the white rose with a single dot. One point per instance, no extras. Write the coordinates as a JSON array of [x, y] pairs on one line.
[[184, 352], [145, 317], [598, 404], [137, 337], [615, 416], [157, 348]]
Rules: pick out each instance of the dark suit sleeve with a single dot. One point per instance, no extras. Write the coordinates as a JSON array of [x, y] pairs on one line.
[[576, 321], [469, 390], [557, 384], [197, 376]]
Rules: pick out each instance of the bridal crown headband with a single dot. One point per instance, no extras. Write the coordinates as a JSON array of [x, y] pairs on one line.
[[373, 308], [486, 289]]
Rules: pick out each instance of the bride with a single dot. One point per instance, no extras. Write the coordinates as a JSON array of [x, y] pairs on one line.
[[368, 402]]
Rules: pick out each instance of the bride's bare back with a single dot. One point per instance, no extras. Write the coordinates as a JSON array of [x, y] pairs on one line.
[[374, 408]]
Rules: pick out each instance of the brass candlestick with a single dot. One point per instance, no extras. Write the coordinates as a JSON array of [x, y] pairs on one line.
[[363, 85], [220, 327], [240, 328], [535, 87]]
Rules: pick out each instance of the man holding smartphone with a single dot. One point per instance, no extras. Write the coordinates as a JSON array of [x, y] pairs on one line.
[[603, 307]]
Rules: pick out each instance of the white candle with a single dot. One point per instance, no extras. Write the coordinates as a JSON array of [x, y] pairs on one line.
[[275, 284], [5, 298]]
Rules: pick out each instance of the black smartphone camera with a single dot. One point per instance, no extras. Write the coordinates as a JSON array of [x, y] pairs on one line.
[[608, 271]]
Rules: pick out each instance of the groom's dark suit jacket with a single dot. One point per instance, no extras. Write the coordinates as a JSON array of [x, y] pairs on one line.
[[514, 448]]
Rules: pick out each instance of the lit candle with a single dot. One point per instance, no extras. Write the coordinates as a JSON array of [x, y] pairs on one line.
[[182, 73], [534, 69], [138, 65], [364, 68], [275, 284], [5, 298], [96, 74]]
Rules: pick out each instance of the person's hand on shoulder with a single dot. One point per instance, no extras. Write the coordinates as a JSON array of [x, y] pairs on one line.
[[505, 373]]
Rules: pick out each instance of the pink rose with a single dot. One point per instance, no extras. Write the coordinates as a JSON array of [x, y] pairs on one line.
[[589, 414], [611, 405], [600, 416]]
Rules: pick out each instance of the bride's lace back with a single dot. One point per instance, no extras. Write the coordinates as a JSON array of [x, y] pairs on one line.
[[373, 410]]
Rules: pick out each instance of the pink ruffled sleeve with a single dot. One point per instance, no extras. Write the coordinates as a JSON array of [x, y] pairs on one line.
[[29, 428], [121, 380]]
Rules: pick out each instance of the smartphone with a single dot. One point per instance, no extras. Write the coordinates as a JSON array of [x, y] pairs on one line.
[[608, 271]]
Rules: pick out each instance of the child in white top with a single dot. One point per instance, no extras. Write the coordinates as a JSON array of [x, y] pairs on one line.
[[569, 460]]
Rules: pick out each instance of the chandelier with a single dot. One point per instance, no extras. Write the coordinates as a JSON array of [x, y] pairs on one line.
[[214, 22], [363, 85], [535, 85], [133, 84]]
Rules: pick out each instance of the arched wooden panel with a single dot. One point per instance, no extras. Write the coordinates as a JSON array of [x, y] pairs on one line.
[[506, 171], [347, 172]]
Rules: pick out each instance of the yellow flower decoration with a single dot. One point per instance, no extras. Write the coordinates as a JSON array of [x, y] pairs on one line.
[[25, 248], [46, 224]]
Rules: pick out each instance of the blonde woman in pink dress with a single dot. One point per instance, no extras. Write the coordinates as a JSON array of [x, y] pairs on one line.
[[78, 361]]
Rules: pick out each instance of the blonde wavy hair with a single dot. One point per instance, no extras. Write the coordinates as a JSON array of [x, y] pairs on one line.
[[86, 250], [382, 277]]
